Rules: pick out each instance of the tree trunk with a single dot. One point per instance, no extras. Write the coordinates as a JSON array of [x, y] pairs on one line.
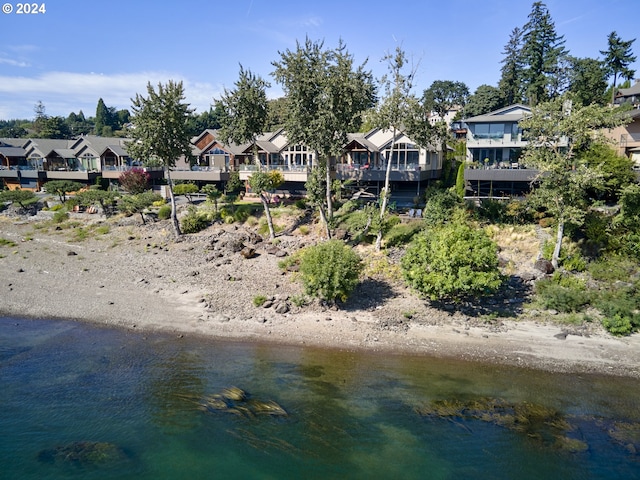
[[323, 217], [386, 193], [174, 211], [267, 212], [329, 201], [556, 251]]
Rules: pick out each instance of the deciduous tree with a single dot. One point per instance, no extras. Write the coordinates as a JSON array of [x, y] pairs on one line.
[[326, 94], [134, 181], [557, 132], [161, 131], [262, 183], [243, 111]]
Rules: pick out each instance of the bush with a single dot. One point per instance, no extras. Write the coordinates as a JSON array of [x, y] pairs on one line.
[[563, 293], [164, 212], [440, 206], [193, 222], [452, 261], [300, 204], [259, 300], [402, 233], [330, 270], [60, 216]]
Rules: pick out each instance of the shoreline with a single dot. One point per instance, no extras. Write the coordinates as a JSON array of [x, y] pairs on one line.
[[135, 277]]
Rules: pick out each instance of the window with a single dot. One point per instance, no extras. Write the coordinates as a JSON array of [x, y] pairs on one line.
[[492, 131]]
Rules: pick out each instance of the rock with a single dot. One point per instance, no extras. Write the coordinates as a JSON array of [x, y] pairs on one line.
[[281, 253], [248, 252], [71, 253], [544, 266], [282, 308], [561, 335]]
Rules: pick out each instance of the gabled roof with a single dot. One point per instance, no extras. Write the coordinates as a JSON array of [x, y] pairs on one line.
[[13, 142], [45, 146], [511, 113], [361, 140], [12, 151], [63, 152], [117, 149], [628, 92]]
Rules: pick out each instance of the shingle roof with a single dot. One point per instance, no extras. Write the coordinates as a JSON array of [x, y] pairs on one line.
[[627, 92], [12, 151]]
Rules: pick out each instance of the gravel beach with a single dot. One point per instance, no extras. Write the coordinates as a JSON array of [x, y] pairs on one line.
[[133, 276]]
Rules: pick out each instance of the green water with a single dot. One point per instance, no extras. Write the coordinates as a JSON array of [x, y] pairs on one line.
[[350, 415]]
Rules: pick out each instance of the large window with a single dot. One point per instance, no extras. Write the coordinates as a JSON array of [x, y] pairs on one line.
[[494, 131], [405, 155]]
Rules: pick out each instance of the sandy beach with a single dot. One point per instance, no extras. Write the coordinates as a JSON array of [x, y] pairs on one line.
[[136, 277]]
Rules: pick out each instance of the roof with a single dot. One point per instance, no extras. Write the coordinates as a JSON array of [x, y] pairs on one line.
[[12, 151], [364, 142], [627, 92], [63, 152], [117, 149], [512, 113]]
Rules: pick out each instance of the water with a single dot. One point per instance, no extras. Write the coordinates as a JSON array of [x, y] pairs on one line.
[[351, 415]]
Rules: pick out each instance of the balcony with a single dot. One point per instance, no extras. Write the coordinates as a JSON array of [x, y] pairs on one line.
[[201, 174], [399, 173], [291, 173], [506, 141]]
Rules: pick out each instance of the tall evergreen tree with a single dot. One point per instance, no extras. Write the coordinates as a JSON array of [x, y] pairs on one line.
[[587, 81], [542, 52], [102, 117], [617, 59], [510, 84]]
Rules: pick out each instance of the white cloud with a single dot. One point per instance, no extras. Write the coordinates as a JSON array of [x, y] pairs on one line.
[[66, 92], [13, 63]]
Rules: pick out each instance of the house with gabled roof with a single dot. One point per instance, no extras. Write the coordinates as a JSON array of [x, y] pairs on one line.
[[629, 95]]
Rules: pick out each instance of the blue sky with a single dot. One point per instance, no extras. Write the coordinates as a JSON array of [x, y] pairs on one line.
[[80, 50]]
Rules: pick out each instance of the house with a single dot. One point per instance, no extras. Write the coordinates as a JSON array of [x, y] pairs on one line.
[[628, 95], [627, 138], [494, 146]]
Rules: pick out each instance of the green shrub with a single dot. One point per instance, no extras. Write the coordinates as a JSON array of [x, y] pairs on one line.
[[452, 261], [330, 270], [164, 212], [60, 216], [57, 207], [613, 269], [493, 210], [564, 293], [259, 300], [620, 307], [439, 206], [301, 204], [193, 222], [402, 233]]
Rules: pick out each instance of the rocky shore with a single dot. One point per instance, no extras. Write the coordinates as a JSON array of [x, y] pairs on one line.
[[131, 276]]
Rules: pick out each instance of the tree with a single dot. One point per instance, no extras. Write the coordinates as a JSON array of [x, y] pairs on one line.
[[139, 203], [617, 170], [244, 111], [587, 81], [186, 189], [24, 198], [617, 59], [212, 193], [392, 113], [134, 181], [510, 84], [61, 188], [103, 198], [542, 50], [330, 270], [452, 260], [443, 95], [161, 131], [103, 117], [326, 95], [485, 99], [262, 183], [556, 133]]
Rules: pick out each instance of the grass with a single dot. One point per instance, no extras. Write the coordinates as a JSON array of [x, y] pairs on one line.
[[7, 243]]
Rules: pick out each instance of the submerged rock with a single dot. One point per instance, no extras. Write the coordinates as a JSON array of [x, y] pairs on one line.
[[83, 453], [238, 402]]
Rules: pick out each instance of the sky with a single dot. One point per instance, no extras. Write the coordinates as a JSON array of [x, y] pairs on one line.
[[78, 51]]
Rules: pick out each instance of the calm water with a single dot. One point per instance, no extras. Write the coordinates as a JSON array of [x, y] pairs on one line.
[[351, 415]]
